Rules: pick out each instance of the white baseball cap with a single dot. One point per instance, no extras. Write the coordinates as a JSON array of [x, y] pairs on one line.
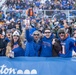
[[16, 33]]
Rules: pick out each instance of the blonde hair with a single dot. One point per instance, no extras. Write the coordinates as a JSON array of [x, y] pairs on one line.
[[8, 49]]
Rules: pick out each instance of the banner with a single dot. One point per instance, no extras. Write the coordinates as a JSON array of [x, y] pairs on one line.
[[37, 66]]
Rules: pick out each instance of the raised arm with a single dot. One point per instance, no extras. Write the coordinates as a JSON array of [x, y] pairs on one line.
[[27, 34]]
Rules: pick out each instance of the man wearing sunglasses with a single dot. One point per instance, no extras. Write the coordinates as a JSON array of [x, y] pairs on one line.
[[47, 44], [66, 42], [33, 44], [50, 46]]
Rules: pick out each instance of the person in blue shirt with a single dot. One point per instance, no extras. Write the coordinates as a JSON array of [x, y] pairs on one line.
[[64, 4], [37, 3], [66, 42], [47, 44], [15, 47], [8, 36], [33, 43]]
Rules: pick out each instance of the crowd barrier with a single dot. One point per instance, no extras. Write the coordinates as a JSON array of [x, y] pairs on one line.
[[37, 66]]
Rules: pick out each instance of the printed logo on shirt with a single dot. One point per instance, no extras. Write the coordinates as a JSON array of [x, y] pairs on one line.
[[15, 46], [46, 44]]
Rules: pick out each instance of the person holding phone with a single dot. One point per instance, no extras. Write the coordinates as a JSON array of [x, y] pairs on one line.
[[15, 47]]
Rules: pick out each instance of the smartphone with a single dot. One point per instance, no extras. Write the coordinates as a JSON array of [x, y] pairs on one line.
[[11, 53]]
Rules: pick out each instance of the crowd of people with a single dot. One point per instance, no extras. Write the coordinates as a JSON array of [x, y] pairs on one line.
[[29, 33], [42, 4]]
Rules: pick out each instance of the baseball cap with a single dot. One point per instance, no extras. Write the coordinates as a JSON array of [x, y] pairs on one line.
[[61, 30], [16, 33]]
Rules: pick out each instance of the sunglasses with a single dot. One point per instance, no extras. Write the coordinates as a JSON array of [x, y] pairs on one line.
[[36, 34], [16, 35], [47, 32], [61, 33]]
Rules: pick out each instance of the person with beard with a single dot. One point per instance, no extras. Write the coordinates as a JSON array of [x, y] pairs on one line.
[[66, 42]]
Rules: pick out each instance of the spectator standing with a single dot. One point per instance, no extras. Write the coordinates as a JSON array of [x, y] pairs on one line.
[[33, 43], [8, 36], [50, 46], [16, 46], [66, 42]]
